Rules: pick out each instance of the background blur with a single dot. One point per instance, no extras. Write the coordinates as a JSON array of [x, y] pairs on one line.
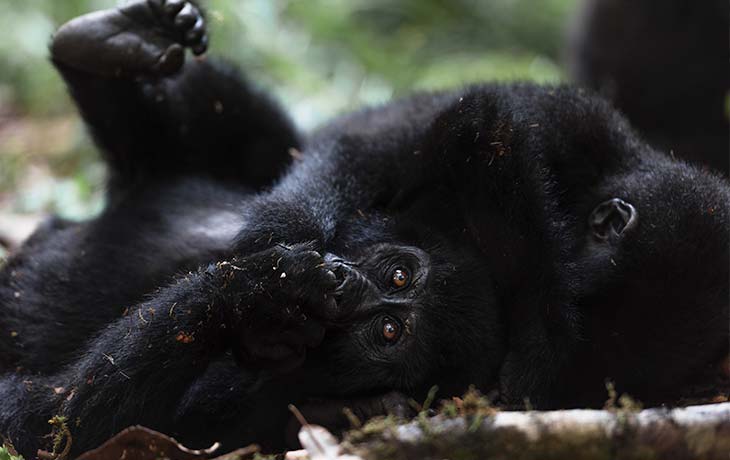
[[319, 57]]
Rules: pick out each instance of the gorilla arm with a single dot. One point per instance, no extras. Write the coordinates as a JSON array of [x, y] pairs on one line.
[[140, 366]]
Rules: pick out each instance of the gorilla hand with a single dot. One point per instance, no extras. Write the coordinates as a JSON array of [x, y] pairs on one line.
[[274, 300]]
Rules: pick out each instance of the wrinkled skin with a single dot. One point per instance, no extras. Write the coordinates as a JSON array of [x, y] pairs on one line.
[[510, 237]]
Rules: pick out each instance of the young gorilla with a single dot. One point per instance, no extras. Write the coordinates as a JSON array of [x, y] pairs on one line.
[[504, 236]]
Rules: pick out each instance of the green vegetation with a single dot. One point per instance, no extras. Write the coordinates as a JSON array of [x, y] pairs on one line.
[[6, 455]]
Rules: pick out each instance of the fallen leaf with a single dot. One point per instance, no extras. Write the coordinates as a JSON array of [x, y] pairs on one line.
[[140, 443]]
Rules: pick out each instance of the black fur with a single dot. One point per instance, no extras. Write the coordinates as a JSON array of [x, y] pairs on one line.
[[666, 66], [545, 249]]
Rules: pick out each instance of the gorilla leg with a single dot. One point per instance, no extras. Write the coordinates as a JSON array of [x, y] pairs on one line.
[[152, 114], [69, 280]]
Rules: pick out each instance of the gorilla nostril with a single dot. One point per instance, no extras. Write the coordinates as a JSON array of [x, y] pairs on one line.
[[612, 218]]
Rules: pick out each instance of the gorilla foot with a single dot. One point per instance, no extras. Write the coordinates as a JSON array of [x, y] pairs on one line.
[[184, 21], [142, 38]]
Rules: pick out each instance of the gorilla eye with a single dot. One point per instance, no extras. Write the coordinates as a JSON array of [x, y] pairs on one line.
[[391, 329], [399, 278]]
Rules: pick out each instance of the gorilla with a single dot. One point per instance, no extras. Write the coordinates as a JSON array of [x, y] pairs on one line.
[[518, 238], [665, 66]]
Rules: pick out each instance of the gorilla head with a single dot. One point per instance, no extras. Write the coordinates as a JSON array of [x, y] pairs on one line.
[[416, 312]]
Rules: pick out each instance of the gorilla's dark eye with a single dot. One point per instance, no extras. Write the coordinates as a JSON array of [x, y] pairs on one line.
[[391, 329], [399, 278]]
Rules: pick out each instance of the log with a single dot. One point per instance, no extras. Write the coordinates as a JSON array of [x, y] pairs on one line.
[[695, 432]]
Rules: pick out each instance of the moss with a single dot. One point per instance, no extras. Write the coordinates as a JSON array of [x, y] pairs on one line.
[[456, 434], [430, 398], [373, 428], [61, 436], [258, 456], [623, 403], [7, 452]]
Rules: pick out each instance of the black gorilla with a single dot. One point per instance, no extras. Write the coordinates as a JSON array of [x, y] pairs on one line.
[[507, 236], [665, 65]]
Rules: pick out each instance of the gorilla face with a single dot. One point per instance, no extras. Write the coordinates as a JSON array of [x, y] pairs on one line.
[[411, 318], [388, 278]]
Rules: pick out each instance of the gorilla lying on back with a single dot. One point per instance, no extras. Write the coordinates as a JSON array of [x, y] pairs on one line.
[[506, 236]]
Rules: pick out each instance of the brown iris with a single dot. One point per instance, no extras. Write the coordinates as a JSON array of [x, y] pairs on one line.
[[400, 278], [391, 330]]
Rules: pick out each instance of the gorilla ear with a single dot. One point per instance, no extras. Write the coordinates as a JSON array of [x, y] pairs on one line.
[[611, 218]]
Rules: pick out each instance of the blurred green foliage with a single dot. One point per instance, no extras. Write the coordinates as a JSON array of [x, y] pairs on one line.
[[320, 57], [6, 455]]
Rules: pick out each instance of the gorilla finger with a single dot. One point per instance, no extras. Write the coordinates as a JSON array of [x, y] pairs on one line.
[[186, 17], [196, 32], [156, 5], [173, 7], [322, 278], [201, 47]]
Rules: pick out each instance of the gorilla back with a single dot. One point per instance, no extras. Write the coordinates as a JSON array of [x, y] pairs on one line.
[[514, 237]]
